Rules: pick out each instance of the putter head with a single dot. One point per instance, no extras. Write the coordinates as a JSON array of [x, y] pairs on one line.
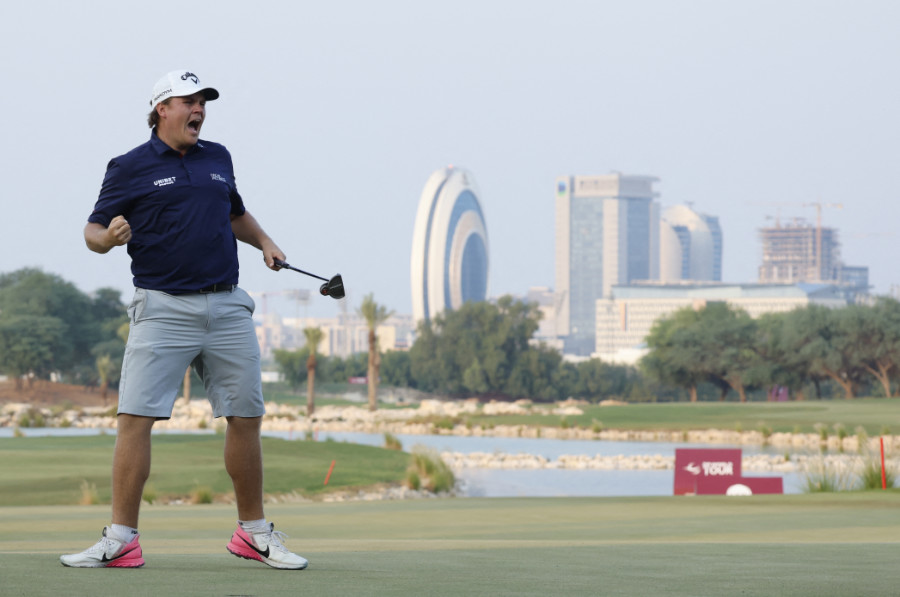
[[333, 287]]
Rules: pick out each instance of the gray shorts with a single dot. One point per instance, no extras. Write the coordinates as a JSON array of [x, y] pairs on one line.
[[213, 332]]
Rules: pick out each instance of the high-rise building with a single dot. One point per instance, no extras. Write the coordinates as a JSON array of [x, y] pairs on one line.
[[449, 264], [607, 233], [690, 246], [799, 252]]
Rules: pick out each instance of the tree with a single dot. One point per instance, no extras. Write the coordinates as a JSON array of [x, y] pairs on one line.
[[597, 379], [783, 362], [31, 344], [106, 371], [820, 334], [51, 326], [375, 315], [875, 331], [292, 365], [395, 369], [675, 354], [33, 293], [728, 337], [482, 348], [313, 338]]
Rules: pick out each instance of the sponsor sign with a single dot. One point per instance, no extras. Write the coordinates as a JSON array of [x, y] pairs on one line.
[[694, 466], [718, 472]]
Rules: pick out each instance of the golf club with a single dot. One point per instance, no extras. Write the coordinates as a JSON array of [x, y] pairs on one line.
[[333, 287]]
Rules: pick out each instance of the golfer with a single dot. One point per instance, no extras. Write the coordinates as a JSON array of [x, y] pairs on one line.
[[174, 202]]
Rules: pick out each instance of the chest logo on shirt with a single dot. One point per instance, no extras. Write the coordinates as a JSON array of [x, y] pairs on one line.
[[218, 177], [164, 181]]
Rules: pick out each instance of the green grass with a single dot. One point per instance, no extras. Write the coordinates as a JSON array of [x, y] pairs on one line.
[[871, 414], [817, 545], [53, 470]]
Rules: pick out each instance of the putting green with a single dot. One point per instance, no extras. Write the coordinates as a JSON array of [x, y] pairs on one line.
[[824, 544]]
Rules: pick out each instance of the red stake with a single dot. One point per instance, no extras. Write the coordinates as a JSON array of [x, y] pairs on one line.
[[883, 476], [328, 476]]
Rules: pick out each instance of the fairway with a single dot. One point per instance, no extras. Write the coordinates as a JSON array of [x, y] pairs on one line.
[[823, 544]]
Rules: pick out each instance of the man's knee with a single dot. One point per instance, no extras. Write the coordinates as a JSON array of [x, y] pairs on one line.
[[244, 423]]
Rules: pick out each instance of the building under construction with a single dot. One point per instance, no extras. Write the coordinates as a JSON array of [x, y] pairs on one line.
[[799, 252]]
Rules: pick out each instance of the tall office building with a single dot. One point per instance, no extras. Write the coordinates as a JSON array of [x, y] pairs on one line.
[[449, 264], [690, 246], [607, 233]]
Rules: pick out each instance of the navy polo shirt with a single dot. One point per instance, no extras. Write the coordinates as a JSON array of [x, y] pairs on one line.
[[179, 209]]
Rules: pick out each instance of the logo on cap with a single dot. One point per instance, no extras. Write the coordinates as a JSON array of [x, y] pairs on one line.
[[190, 76]]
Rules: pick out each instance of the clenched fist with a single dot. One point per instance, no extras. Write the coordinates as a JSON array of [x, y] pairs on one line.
[[119, 231]]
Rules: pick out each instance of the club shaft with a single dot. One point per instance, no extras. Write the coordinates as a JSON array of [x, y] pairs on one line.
[[284, 264]]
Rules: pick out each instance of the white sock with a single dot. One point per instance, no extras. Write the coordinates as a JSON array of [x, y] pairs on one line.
[[123, 533], [255, 526]]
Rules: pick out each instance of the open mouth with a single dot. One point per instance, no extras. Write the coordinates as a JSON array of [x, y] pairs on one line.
[[195, 124]]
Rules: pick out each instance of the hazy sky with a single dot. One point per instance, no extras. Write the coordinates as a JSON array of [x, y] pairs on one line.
[[337, 112]]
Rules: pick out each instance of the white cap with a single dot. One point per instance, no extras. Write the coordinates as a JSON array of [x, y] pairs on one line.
[[179, 83]]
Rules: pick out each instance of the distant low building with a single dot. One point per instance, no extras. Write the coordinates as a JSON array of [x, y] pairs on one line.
[[344, 335], [625, 319]]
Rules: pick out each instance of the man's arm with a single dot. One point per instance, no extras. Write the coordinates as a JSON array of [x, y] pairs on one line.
[[101, 239], [247, 229]]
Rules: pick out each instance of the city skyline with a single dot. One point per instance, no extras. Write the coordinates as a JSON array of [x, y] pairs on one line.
[[335, 115]]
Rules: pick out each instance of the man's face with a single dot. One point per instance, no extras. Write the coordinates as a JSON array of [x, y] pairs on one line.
[[180, 121]]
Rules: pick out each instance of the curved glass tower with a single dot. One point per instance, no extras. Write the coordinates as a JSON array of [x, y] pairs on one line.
[[449, 264]]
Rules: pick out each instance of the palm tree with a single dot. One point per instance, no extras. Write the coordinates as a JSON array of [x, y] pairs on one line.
[[313, 338], [106, 370], [375, 315]]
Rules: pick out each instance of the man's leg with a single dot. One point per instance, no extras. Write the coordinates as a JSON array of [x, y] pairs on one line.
[[255, 538], [243, 461], [131, 468]]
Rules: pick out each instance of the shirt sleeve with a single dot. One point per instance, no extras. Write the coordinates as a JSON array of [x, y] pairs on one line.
[[114, 199]]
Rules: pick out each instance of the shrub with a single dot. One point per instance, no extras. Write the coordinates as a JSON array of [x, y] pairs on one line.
[[201, 494], [447, 423], [392, 443], [32, 418], [840, 431], [428, 471], [822, 477], [862, 438], [870, 475], [822, 430], [89, 495]]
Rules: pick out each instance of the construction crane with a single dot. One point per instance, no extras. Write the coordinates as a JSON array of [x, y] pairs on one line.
[[301, 296], [819, 206]]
